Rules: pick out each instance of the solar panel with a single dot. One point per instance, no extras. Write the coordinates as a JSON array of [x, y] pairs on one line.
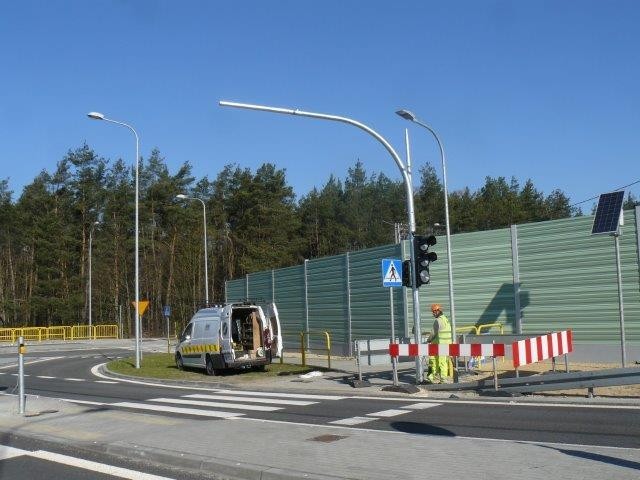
[[608, 213]]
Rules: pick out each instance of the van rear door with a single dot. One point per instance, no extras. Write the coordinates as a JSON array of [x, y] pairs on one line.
[[271, 313]]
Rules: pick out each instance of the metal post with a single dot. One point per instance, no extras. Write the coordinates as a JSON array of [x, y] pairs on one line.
[[566, 363], [394, 360], [120, 322], [246, 286], [21, 399], [515, 266], [273, 286], [90, 241], [206, 265], [417, 333], [495, 374], [620, 301], [168, 338], [306, 300], [348, 280]]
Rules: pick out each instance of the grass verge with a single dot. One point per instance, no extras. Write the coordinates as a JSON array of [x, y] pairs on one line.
[[162, 366]]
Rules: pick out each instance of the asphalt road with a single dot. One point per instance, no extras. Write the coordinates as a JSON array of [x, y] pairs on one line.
[[67, 374]]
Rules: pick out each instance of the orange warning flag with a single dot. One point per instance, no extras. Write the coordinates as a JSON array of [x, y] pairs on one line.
[[142, 306]]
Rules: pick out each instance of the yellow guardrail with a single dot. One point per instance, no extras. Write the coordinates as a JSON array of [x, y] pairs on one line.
[[327, 338], [488, 326], [62, 332], [470, 329]]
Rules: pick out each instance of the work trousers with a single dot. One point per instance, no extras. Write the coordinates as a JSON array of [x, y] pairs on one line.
[[438, 368]]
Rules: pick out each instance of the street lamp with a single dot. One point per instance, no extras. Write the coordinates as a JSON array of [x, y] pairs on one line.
[[181, 196], [93, 225], [407, 115], [100, 116], [405, 176]]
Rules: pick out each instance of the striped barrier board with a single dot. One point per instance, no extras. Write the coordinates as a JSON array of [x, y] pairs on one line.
[[536, 349], [450, 350]]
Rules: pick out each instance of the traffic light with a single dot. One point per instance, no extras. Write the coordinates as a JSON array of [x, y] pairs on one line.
[[422, 257], [406, 273]]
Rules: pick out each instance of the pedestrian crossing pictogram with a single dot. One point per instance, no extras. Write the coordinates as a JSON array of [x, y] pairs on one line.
[[391, 272]]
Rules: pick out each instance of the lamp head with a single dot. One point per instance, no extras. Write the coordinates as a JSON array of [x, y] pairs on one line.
[[181, 196], [406, 114], [95, 115]]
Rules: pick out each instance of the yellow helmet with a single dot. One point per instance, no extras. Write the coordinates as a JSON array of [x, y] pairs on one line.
[[435, 307]]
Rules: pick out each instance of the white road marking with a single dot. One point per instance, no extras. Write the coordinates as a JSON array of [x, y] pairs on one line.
[[420, 406], [353, 421], [387, 413], [186, 411], [10, 452], [44, 376], [284, 395], [74, 379], [104, 381], [84, 402], [200, 403], [30, 362], [95, 466], [273, 401]]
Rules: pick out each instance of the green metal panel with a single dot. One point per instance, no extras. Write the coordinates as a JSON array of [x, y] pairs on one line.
[[327, 294], [482, 279], [260, 287], [370, 305], [569, 280], [236, 290], [289, 287]]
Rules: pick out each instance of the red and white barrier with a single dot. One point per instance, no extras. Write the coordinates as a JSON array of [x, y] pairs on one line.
[[536, 349], [450, 350]]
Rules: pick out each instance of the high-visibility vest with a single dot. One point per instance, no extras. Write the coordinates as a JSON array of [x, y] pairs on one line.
[[444, 331]]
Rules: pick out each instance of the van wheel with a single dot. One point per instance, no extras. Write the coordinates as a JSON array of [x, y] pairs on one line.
[[209, 366], [179, 362]]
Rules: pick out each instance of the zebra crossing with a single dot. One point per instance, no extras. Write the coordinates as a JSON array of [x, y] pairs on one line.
[[220, 403]]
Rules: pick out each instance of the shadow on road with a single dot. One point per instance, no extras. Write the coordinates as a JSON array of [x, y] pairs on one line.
[[421, 429], [597, 457]]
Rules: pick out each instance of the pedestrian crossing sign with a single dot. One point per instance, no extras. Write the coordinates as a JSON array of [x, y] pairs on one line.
[[391, 272]]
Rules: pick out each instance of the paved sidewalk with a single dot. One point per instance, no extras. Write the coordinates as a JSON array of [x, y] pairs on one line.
[[252, 449]]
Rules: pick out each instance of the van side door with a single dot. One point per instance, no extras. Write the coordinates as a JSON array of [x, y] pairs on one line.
[[226, 347], [273, 324]]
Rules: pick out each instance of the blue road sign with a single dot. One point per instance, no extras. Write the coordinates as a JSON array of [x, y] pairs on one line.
[[166, 311], [391, 272]]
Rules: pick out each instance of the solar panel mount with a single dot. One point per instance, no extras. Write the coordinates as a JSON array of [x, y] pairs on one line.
[[607, 219]]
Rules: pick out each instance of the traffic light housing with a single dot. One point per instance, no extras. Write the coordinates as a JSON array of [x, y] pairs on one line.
[[406, 273], [422, 257]]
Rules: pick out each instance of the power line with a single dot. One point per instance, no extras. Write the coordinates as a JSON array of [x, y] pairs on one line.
[[615, 190]]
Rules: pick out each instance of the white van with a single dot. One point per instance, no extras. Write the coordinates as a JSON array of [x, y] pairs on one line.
[[237, 335]]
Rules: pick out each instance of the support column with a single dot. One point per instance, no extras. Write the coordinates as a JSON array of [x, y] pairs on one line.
[[306, 300], [348, 280], [515, 265]]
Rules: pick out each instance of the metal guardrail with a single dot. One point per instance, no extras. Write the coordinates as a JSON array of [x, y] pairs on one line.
[[62, 332], [327, 337]]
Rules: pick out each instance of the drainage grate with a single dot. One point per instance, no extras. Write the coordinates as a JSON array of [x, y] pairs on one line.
[[327, 438]]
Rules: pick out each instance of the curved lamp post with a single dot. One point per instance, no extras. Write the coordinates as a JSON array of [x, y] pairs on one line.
[[407, 115], [181, 196], [100, 116], [405, 176]]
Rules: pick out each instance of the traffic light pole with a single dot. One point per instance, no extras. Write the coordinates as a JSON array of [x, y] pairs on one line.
[[407, 185]]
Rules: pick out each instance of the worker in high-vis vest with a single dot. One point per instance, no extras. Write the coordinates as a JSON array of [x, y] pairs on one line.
[[441, 334]]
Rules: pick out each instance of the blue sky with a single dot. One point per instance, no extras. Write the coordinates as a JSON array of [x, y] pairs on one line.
[[546, 90]]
